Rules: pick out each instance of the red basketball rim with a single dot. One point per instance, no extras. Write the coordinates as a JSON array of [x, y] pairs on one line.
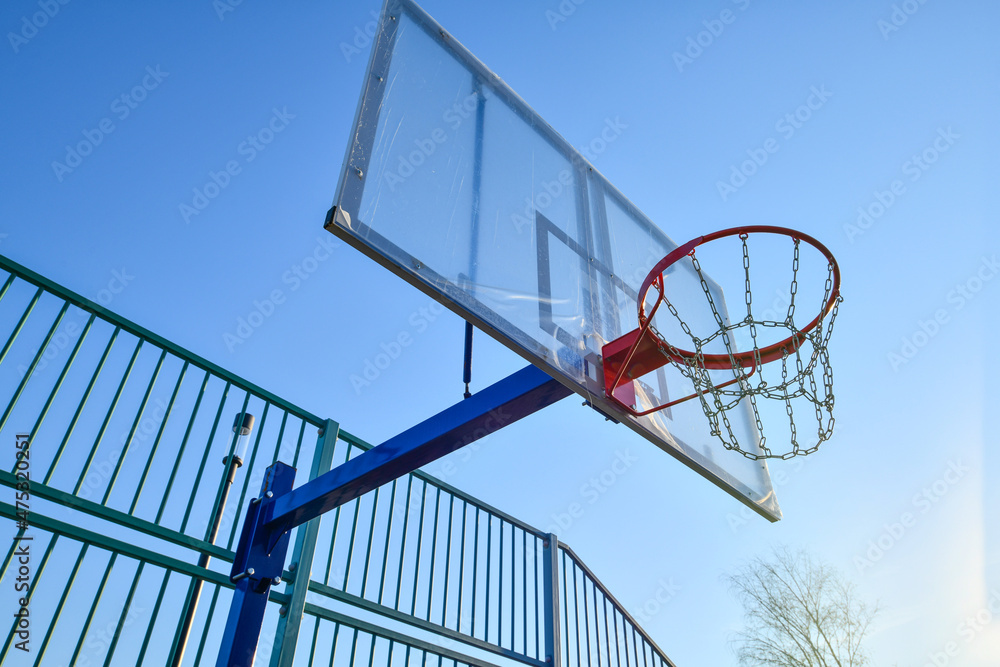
[[766, 354]]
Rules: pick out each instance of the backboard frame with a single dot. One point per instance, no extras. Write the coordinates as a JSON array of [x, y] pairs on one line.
[[385, 252]]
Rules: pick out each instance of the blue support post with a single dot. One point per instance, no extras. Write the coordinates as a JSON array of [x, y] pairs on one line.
[[264, 540], [260, 557]]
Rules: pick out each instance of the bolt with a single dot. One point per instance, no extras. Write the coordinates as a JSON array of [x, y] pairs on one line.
[[276, 581], [269, 494], [282, 611], [242, 575]]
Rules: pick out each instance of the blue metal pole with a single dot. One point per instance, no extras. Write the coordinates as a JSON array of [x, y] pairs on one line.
[[260, 557], [517, 396], [260, 554]]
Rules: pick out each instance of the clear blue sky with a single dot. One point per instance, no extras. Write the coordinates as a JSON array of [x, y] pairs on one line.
[[910, 98]]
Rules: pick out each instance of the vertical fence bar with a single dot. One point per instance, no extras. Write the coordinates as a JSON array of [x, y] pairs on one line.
[[524, 588], [183, 446], [124, 615], [81, 405], [500, 590], [513, 581], [62, 602], [31, 369], [461, 567], [204, 460], [20, 324], [420, 535], [447, 560], [489, 553], [388, 535], [550, 599], [336, 524], [159, 436], [287, 634], [434, 537], [62, 377], [538, 617], [371, 541], [203, 642], [565, 594], [6, 286], [107, 418], [93, 608], [475, 569], [402, 540], [135, 425], [586, 620]]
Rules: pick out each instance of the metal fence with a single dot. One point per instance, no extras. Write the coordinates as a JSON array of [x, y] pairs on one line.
[[127, 437]]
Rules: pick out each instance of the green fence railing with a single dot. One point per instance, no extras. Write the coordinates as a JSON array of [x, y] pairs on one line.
[[127, 435]]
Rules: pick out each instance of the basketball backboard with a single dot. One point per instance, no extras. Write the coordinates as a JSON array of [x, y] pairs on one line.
[[456, 185]]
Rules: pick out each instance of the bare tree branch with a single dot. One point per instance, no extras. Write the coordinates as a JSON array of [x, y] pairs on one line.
[[799, 613]]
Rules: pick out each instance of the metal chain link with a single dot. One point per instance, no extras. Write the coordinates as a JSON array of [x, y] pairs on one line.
[[798, 381], [794, 287]]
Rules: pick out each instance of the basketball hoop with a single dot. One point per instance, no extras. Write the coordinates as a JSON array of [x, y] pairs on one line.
[[802, 354]]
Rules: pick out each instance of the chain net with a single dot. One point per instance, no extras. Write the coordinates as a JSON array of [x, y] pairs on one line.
[[806, 377]]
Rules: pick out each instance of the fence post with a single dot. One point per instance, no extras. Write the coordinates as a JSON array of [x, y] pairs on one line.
[[550, 570], [287, 633]]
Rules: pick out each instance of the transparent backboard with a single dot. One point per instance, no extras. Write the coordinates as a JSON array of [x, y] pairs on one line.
[[452, 182]]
